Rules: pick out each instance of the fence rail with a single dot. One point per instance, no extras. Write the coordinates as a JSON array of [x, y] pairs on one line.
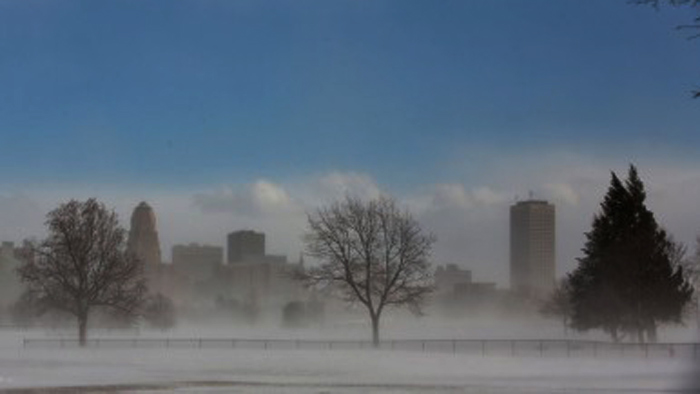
[[484, 347]]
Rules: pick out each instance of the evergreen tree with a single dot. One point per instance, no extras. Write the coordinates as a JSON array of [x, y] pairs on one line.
[[626, 282]]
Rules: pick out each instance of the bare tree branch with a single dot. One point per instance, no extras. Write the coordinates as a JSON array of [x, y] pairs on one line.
[[83, 264], [371, 253]]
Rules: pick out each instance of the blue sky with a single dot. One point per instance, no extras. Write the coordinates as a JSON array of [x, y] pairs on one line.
[[200, 92], [248, 114]]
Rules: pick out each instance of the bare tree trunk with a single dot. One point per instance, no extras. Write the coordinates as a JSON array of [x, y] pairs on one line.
[[651, 332], [82, 329], [375, 330], [613, 334]]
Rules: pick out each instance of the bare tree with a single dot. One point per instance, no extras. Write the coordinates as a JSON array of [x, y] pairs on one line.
[[83, 264], [692, 265], [691, 269], [372, 253]]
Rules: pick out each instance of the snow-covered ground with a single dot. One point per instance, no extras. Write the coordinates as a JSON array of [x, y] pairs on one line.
[[321, 371], [158, 370]]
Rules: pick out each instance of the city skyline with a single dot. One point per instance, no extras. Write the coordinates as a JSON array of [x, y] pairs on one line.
[[266, 112], [471, 225]]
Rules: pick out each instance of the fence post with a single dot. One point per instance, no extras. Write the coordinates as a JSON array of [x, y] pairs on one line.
[[454, 347], [483, 348], [541, 348], [422, 344], [265, 344]]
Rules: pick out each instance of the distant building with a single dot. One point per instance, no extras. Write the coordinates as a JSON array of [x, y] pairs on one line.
[[143, 236], [532, 248], [10, 284], [262, 282], [197, 261], [254, 277], [7, 251], [447, 277], [456, 295], [245, 245]]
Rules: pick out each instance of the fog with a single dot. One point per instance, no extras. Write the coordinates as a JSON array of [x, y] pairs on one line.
[[341, 367], [246, 116], [223, 341]]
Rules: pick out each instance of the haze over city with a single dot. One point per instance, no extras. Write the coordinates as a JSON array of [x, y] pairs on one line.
[[234, 124], [236, 115]]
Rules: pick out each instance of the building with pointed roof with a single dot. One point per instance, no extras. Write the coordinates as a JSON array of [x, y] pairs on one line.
[[143, 236]]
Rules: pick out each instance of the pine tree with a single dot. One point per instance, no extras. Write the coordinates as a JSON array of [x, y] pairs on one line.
[[626, 282]]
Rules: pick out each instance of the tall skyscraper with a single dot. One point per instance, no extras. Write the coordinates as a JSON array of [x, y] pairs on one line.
[[532, 248], [245, 244], [143, 236]]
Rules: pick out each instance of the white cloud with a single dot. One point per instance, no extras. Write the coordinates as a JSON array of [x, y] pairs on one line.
[[561, 192], [261, 197], [267, 195], [453, 196], [336, 185], [446, 196], [487, 196]]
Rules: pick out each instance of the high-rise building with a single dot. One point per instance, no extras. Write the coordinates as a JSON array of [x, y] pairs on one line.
[[532, 248], [245, 245], [143, 236]]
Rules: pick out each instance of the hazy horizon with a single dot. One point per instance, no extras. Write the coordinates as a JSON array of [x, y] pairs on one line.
[[231, 115]]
